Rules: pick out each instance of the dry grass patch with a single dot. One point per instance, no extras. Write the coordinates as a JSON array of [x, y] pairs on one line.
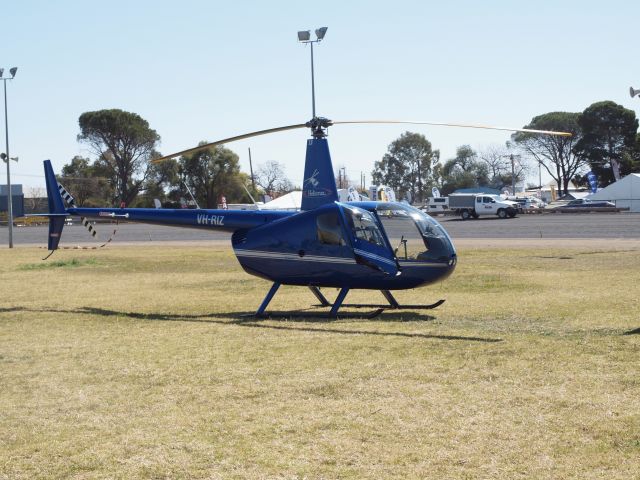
[[135, 362]]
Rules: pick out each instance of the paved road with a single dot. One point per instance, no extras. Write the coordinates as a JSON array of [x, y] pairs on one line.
[[558, 225], [586, 225]]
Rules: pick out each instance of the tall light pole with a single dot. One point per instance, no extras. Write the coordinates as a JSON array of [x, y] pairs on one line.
[[304, 36], [12, 71]]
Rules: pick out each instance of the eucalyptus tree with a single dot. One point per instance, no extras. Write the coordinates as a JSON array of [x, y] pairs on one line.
[[552, 152], [124, 144], [609, 140], [408, 166]]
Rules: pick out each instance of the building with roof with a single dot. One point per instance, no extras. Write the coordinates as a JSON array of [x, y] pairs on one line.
[[17, 200]]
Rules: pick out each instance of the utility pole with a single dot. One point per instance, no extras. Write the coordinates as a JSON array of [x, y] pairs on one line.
[[513, 176], [539, 179], [513, 158]]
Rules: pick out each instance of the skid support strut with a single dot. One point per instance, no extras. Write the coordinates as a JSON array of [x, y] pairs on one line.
[[333, 313], [272, 291], [321, 298], [338, 302]]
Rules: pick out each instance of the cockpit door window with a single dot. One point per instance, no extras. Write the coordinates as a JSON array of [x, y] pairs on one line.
[[370, 246]]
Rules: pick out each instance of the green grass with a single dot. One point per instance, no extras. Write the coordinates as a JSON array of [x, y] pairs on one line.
[[137, 363], [73, 262]]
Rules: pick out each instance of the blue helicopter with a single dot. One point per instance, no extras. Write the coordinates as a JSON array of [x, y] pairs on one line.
[[368, 245]]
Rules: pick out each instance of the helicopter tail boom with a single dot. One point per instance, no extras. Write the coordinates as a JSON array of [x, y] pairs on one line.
[[219, 220], [213, 219]]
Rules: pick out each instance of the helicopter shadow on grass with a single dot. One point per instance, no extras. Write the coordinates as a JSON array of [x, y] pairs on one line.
[[242, 319], [11, 309]]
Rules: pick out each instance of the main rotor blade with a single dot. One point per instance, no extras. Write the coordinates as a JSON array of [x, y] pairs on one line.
[[228, 140], [461, 125]]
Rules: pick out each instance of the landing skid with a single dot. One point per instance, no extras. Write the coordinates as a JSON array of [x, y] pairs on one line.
[[399, 307], [335, 306], [338, 316], [393, 303]]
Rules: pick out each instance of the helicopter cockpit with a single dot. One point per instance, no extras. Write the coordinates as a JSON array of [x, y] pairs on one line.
[[415, 236]]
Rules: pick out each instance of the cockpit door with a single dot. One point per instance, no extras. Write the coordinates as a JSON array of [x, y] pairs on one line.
[[369, 243]]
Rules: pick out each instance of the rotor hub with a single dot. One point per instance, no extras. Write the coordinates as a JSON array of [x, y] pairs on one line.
[[318, 126]]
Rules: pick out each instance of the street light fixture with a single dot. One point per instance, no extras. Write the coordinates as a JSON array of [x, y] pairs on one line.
[[320, 32], [304, 36], [12, 71], [633, 92]]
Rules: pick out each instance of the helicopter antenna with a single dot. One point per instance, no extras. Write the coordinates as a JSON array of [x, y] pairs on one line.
[[191, 194], [250, 196]]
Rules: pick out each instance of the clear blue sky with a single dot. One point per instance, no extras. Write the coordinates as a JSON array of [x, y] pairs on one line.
[[204, 70]]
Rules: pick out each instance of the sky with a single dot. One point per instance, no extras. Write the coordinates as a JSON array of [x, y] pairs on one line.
[[206, 70]]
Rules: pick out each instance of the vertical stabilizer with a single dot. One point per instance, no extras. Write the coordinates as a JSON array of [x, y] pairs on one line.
[[319, 186], [57, 212]]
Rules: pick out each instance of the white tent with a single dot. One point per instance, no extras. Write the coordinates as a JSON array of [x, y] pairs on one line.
[[290, 201], [293, 200], [624, 193]]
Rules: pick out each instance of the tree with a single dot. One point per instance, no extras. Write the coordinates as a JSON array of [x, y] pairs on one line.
[[609, 140], [160, 178], [407, 167], [271, 178], [212, 173], [463, 171], [554, 152], [86, 182], [495, 158], [124, 144]]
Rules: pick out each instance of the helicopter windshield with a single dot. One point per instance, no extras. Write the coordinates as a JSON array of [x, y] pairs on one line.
[[414, 235]]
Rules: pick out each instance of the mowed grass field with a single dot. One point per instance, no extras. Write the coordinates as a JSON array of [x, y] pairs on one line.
[[135, 362]]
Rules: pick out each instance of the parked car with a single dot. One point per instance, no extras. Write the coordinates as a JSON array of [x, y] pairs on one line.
[[529, 202], [586, 203]]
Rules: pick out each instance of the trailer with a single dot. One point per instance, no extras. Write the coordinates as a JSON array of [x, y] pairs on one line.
[[437, 205]]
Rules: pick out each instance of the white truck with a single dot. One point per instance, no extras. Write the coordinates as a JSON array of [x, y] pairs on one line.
[[476, 204]]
